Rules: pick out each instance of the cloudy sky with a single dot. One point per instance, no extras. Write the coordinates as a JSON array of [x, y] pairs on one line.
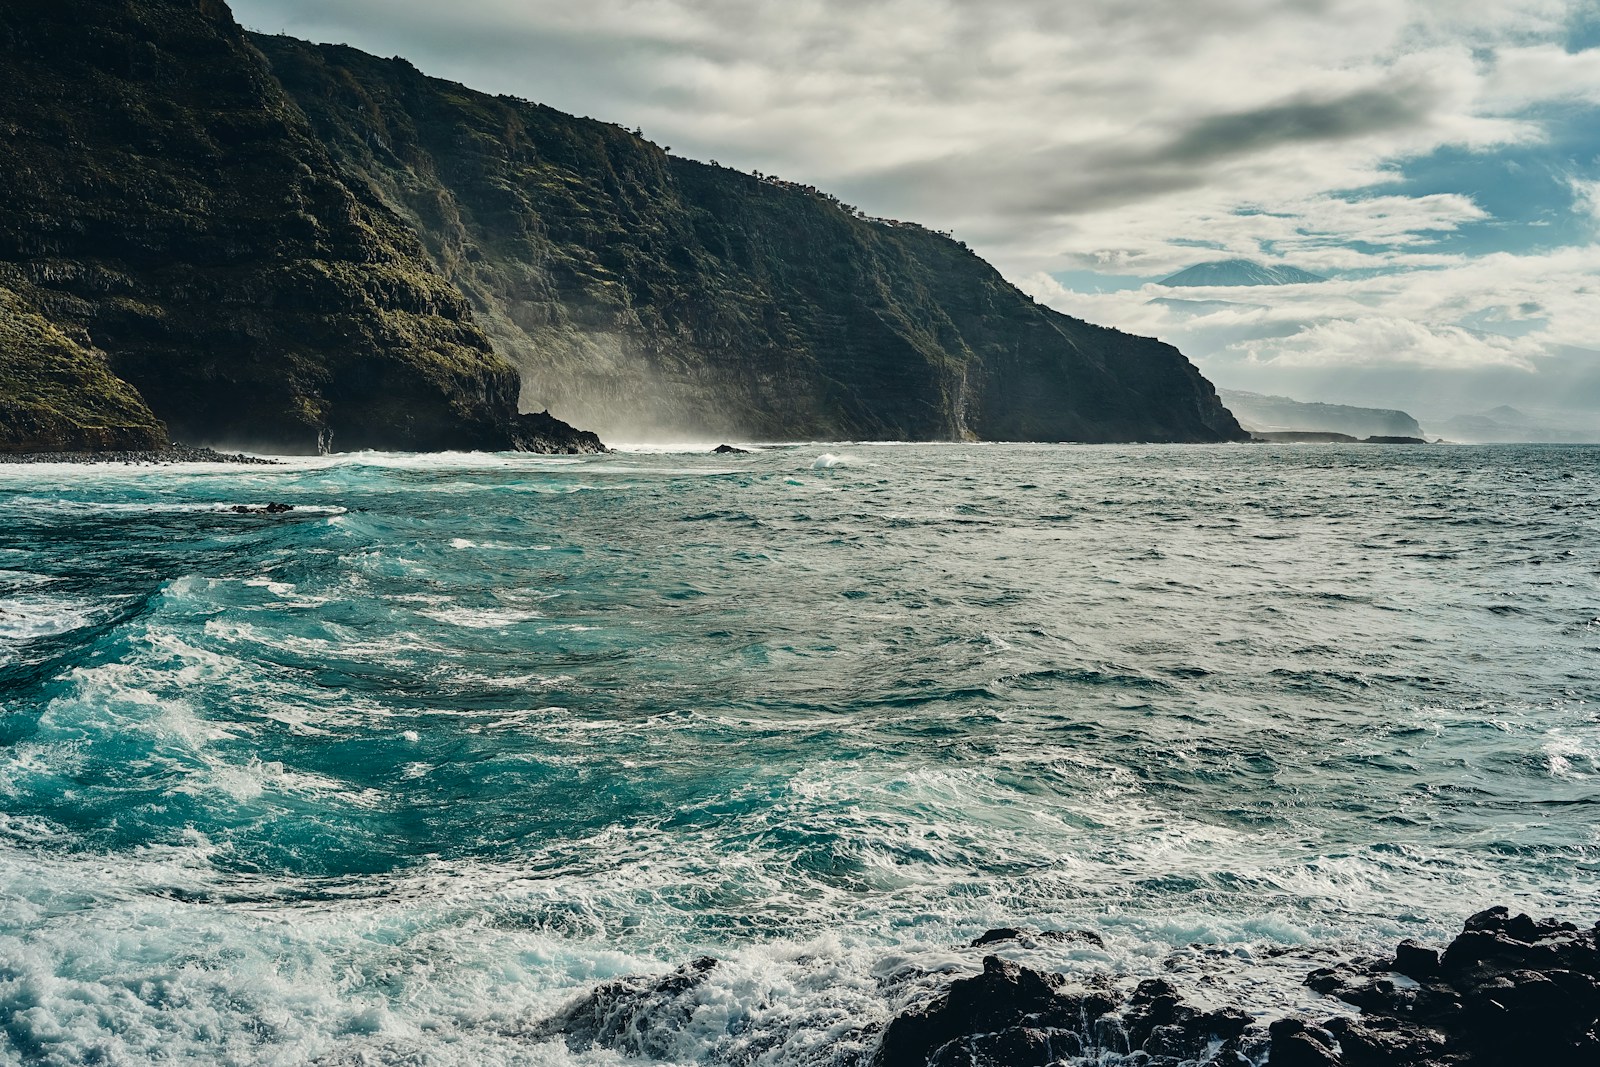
[[1438, 161]]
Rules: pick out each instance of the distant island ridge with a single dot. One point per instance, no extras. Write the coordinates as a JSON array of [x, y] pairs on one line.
[[1239, 272], [1265, 415], [1505, 424]]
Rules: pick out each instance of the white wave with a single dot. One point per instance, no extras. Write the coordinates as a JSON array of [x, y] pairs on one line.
[[453, 460], [828, 461], [30, 617], [481, 618], [1569, 757], [455, 965]]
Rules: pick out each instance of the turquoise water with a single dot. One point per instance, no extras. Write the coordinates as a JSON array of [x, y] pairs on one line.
[[392, 777]]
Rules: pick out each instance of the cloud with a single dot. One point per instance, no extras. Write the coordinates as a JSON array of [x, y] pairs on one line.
[[1586, 197], [1352, 115], [1380, 340]]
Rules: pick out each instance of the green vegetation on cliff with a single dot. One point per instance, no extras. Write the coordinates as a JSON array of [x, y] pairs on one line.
[[176, 207], [57, 395]]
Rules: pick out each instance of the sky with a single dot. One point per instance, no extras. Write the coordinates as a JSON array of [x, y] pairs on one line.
[[1437, 161]]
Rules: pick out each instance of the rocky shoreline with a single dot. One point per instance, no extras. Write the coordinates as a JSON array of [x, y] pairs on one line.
[[175, 454], [1508, 990]]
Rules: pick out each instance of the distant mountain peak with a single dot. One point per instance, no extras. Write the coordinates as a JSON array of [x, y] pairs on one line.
[[1240, 272]]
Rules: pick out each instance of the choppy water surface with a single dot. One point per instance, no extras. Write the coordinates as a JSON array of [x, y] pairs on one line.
[[392, 777]]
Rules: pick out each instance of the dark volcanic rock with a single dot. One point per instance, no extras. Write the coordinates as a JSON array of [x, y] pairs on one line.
[[1012, 1016], [1415, 961], [729, 450], [1029, 938], [636, 1016], [172, 453], [996, 936], [1022, 1012], [1296, 1044], [1508, 989], [543, 432], [176, 247]]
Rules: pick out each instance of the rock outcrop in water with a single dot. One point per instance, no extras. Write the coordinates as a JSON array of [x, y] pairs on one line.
[[176, 247], [1508, 990], [636, 1016]]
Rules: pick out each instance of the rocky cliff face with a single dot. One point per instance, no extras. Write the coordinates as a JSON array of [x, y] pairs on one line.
[[56, 392], [169, 207], [647, 295], [261, 242]]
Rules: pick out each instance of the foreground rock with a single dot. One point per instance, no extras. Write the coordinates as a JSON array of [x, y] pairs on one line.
[[636, 1016], [1012, 1015], [1510, 990]]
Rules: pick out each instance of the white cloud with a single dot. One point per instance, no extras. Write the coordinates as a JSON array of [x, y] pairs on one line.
[[1546, 72], [1586, 197], [1380, 340]]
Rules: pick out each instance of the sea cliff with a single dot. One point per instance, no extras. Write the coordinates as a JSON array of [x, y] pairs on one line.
[[186, 253], [643, 293], [258, 242]]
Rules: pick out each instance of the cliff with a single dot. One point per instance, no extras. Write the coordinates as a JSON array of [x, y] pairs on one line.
[[258, 242], [175, 245], [647, 295], [1268, 414], [56, 392]]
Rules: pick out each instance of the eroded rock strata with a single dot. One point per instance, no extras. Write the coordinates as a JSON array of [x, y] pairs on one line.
[[1508, 990]]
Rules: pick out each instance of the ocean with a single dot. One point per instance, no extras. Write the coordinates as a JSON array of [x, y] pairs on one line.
[[394, 776]]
